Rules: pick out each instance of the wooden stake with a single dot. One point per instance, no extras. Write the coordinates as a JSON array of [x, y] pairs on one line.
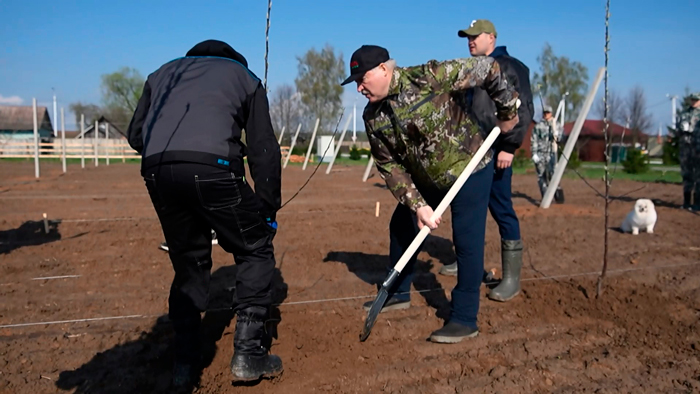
[[311, 145], [36, 140], [63, 141], [46, 223]]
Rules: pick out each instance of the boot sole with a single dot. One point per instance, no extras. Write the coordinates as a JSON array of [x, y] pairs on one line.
[[446, 339], [396, 307], [254, 378], [448, 273], [501, 299]]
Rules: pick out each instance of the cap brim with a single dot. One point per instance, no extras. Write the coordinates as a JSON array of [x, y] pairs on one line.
[[467, 33], [355, 76], [351, 78]]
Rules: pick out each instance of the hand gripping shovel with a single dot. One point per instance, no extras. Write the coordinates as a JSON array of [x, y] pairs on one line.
[[391, 278]]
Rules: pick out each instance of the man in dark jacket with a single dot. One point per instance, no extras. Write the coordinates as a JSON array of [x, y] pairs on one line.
[[482, 42], [188, 128]]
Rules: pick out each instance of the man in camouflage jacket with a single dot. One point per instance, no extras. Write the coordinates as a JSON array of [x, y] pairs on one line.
[[688, 127], [422, 140]]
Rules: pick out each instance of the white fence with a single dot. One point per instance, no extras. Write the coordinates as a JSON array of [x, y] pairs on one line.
[[74, 149]]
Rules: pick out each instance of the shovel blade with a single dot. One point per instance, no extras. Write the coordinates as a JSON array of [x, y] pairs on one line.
[[378, 304], [373, 313]]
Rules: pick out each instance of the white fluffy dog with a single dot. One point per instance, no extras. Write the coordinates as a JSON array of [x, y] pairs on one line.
[[643, 217]]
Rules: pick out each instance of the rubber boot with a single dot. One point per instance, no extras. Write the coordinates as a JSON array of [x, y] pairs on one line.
[[251, 360], [512, 262], [686, 200]]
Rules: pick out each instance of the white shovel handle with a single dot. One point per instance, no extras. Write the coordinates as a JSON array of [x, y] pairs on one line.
[[449, 197]]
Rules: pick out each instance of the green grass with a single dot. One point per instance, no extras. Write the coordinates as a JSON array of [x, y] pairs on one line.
[[338, 161], [590, 173], [650, 176], [597, 173], [88, 160], [619, 165]]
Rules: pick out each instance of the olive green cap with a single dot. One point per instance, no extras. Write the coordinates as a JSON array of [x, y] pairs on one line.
[[477, 27]]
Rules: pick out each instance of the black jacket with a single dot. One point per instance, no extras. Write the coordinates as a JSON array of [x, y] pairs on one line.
[[483, 108], [194, 109]]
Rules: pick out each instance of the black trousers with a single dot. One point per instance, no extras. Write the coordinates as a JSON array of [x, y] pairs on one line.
[[191, 200]]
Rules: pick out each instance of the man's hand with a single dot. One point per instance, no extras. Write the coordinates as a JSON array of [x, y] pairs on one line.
[[504, 160], [424, 214], [507, 125]]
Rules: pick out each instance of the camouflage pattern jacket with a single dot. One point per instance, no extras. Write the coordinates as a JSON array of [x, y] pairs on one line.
[[543, 139], [420, 136], [689, 121]]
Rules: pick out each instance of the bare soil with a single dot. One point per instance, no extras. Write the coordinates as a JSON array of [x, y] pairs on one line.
[[641, 336]]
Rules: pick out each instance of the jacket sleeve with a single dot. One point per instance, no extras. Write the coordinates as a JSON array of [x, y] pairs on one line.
[[397, 179], [264, 155], [534, 140], [135, 131], [486, 73], [518, 75]]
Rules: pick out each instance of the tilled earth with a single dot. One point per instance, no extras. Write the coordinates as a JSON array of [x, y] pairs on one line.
[[641, 336]]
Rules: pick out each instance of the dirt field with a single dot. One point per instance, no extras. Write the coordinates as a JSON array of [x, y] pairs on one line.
[[642, 336]]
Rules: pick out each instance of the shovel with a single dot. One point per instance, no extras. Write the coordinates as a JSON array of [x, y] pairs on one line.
[[391, 278]]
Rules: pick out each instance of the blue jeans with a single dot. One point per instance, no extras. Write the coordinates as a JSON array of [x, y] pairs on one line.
[[501, 204], [468, 233]]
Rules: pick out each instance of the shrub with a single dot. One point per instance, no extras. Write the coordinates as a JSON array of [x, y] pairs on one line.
[[574, 162], [355, 153], [520, 160], [635, 162]]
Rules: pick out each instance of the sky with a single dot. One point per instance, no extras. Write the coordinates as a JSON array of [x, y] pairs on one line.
[[64, 47]]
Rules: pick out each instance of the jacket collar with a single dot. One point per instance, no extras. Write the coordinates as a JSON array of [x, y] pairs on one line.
[[499, 51]]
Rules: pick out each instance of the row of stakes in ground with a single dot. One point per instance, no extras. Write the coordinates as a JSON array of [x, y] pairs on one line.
[[335, 151], [64, 155]]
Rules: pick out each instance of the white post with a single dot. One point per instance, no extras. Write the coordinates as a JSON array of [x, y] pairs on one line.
[[563, 111], [294, 141], [340, 142], [558, 113], [36, 140], [311, 145], [107, 146], [55, 117], [281, 134], [96, 140], [673, 111], [571, 142], [558, 130], [63, 141], [354, 121], [369, 168], [82, 140]]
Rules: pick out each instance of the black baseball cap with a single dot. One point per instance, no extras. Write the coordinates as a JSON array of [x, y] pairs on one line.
[[365, 59]]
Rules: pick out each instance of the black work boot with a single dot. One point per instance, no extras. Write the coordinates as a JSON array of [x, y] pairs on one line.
[[452, 333], [449, 270], [251, 360], [392, 304], [686, 200], [512, 262]]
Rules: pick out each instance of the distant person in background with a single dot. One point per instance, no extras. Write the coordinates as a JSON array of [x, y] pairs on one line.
[[187, 127], [688, 126], [542, 141]]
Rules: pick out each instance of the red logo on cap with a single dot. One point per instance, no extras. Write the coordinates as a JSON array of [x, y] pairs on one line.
[[354, 64]]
